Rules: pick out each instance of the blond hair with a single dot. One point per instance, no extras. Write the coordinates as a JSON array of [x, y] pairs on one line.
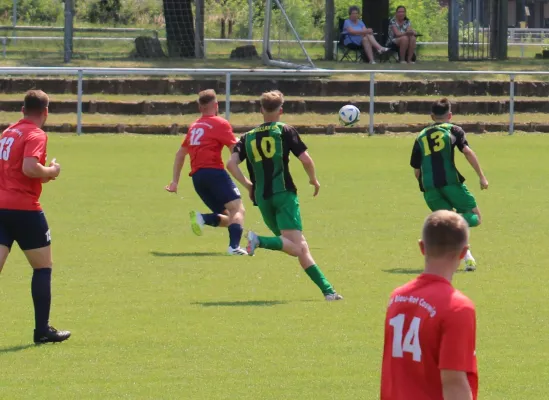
[[445, 233], [207, 96], [272, 101]]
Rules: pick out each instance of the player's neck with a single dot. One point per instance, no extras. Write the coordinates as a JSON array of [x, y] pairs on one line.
[[34, 120], [209, 114], [440, 268]]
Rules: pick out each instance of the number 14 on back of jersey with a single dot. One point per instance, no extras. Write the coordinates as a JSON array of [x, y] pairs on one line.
[[410, 342]]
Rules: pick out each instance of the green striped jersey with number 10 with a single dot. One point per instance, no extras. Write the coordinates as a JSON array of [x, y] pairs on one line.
[[433, 154], [266, 150]]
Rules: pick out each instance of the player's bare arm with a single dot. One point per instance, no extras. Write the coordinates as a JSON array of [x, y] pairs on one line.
[[473, 160], [33, 169], [309, 166], [177, 166], [417, 173], [236, 172], [455, 385]]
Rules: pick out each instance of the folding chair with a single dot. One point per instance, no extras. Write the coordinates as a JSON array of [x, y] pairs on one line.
[[350, 53]]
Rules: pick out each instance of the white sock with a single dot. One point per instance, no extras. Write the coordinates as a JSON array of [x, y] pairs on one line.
[[468, 256]]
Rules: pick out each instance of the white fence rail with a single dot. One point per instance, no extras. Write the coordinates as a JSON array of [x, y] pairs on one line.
[[228, 74]]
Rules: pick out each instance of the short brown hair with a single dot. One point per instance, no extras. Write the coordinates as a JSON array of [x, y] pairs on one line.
[[205, 97], [272, 101], [441, 107], [36, 101], [444, 232]]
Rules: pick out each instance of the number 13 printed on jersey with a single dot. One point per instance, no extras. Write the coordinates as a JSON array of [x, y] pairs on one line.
[[435, 137], [5, 148]]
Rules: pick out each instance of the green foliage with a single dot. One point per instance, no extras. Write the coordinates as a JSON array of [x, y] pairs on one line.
[[427, 16], [32, 11], [122, 12]]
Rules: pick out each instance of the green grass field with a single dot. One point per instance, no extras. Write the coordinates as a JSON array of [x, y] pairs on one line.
[[159, 313]]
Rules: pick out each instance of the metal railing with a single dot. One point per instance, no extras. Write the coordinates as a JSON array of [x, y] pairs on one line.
[[228, 74]]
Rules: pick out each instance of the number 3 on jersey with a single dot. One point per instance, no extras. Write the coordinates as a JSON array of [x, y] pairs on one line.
[[410, 344], [437, 146], [196, 135]]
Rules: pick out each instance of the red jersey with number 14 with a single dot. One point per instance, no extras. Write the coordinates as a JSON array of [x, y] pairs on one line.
[[21, 140], [205, 141], [429, 327]]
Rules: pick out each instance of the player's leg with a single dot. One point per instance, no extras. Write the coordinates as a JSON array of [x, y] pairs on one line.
[[202, 182], [309, 265], [465, 204], [33, 237], [436, 200], [277, 242], [226, 196], [6, 237]]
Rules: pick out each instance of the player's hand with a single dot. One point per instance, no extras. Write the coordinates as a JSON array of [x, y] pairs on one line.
[[251, 194], [316, 184], [483, 183], [172, 187], [56, 168]]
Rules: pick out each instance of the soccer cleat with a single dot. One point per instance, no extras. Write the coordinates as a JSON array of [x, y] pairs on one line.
[[253, 243], [197, 223], [333, 296], [239, 251], [52, 335], [470, 265]]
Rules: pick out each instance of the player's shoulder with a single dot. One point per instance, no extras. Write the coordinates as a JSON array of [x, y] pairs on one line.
[[459, 301]]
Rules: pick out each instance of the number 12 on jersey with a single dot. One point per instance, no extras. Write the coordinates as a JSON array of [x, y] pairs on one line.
[[410, 344]]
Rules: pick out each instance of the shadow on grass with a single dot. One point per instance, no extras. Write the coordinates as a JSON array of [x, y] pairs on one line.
[[247, 303], [192, 254], [14, 349], [403, 271]]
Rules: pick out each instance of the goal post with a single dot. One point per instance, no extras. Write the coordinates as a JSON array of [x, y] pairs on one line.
[[287, 37]]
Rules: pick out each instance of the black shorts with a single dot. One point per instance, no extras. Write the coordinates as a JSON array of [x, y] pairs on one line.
[[216, 188], [28, 228]]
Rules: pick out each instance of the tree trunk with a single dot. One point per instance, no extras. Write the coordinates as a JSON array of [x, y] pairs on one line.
[[230, 30], [223, 28], [373, 14], [179, 28], [329, 32]]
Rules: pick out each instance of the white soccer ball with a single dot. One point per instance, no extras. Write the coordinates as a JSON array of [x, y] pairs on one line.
[[349, 115]]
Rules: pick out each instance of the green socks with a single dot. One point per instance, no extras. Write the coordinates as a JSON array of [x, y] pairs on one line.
[[270, 243], [471, 218], [319, 279]]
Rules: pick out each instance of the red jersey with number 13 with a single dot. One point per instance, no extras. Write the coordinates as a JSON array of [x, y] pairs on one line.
[[429, 327], [18, 191], [205, 141]]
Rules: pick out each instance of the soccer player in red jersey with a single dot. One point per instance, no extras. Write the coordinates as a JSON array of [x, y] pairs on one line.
[[22, 173], [430, 327], [204, 142]]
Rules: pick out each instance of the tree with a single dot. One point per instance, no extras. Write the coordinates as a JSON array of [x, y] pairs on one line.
[[179, 28], [329, 30]]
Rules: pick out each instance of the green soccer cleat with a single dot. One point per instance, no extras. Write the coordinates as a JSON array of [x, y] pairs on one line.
[[197, 223], [470, 265]]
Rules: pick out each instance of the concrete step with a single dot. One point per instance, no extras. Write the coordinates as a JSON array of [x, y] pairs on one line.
[[290, 87], [290, 106]]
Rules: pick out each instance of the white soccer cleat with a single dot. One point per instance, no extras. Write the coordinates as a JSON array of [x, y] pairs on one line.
[[253, 243], [333, 297], [239, 251], [197, 223], [470, 265]]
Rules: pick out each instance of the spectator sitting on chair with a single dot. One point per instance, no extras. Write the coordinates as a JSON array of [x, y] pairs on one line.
[[402, 35], [357, 36]]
